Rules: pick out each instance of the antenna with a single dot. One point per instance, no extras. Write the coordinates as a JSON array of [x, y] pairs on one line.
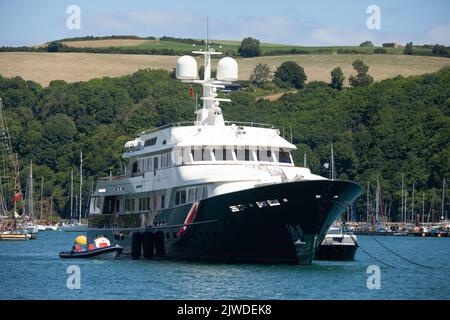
[[227, 72], [207, 32]]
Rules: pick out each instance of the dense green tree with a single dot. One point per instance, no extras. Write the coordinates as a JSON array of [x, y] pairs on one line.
[[249, 48], [54, 46], [409, 48], [260, 74], [290, 74], [337, 78], [366, 44], [362, 78], [440, 50]]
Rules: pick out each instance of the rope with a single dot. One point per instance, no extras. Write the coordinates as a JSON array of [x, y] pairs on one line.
[[403, 258], [359, 245], [388, 265]]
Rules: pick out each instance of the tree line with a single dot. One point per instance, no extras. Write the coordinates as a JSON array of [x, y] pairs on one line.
[[384, 129]]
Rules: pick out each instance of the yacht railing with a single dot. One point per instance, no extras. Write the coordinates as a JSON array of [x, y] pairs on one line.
[[194, 123]]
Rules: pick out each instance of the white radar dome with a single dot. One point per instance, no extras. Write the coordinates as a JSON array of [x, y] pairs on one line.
[[186, 68], [227, 69]]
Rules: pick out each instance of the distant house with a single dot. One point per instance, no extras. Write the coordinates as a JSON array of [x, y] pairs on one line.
[[392, 45]]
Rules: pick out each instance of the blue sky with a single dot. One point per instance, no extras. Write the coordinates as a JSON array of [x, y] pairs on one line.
[[26, 22]]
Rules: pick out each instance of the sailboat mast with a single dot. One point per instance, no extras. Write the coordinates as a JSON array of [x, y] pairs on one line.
[[81, 183], [423, 207], [42, 195], [443, 200], [377, 201], [368, 201], [71, 193], [30, 194], [412, 202], [403, 198]]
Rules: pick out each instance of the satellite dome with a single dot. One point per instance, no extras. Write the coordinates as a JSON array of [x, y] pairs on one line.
[[227, 69], [186, 68]]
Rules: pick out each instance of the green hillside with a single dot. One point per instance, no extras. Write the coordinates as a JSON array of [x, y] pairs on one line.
[[395, 126]]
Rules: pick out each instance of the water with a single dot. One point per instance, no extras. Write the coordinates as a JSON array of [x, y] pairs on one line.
[[32, 270]]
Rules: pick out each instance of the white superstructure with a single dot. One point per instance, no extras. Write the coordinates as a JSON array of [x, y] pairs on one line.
[[186, 162]]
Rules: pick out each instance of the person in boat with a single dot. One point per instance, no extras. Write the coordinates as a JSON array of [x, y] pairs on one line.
[[77, 248]]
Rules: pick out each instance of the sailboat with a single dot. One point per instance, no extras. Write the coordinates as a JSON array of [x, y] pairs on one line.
[[31, 227], [76, 225]]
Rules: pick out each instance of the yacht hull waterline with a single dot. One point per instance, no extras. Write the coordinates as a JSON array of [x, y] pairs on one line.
[[275, 223]]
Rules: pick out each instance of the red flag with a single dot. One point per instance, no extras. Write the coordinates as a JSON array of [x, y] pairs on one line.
[[191, 91], [17, 197]]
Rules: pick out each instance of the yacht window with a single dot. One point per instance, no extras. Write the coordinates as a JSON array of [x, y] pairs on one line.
[[229, 154], [134, 167], [149, 205], [198, 193], [155, 163], [164, 160], [182, 196], [163, 201], [196, 153], [244, 154], [219, 154], [98, 204], [150, 142], [187, 154], [264, 155], [144, 203], [117, 205], [149, 163], [141, 204], [223, 154], [176, 157], [284, 157], [205, 193], [191, 195], [177, 198], [207, 155], [129, 205]]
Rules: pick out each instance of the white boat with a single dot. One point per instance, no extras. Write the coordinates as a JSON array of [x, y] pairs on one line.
[[41, 227], [51, 228], [337, 245], [74, 227], [32, 229]]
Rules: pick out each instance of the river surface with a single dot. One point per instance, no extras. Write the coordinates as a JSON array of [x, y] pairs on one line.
[[32, 270]]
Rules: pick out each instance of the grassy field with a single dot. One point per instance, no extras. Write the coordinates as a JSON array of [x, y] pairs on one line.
[[105, 43], [45, 67], [226, 45]]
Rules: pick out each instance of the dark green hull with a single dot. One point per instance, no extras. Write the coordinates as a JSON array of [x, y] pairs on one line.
[[277, 223]]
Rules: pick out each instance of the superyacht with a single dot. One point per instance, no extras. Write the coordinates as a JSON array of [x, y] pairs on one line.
[[214, 190]]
